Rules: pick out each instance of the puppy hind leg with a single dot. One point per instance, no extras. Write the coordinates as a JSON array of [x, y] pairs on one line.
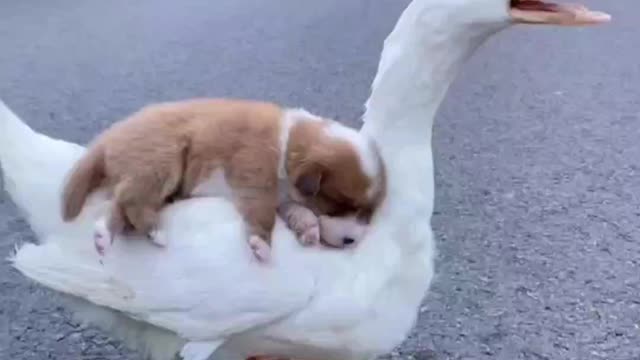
[[170, 192], [107, 227], [136, 200], [142, 198], [144, 219]]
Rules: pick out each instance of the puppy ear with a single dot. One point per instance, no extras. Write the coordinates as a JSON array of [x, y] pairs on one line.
[[309, 183]]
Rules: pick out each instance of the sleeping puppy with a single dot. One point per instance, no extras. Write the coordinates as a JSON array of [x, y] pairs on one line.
[[335, 231], [266, 158]]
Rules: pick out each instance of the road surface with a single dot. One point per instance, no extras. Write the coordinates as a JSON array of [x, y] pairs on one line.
[[537, 155]]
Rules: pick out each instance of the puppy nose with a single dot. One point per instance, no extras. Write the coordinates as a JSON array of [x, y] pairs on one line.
[[348, 240]]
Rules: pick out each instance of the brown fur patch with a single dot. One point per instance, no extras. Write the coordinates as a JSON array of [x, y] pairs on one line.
[[327, 172]]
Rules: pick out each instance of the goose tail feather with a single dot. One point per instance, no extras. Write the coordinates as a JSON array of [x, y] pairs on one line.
[[34, 167], [76, 276]]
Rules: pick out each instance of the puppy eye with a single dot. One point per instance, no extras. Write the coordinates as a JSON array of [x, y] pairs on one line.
[[338, 212], [309, 185]]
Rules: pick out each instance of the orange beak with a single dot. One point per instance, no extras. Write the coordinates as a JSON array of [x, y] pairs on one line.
[[540, 12]]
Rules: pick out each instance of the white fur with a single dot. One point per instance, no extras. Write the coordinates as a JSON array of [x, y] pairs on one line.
[[335, 229], [308, 303], [101, 235]]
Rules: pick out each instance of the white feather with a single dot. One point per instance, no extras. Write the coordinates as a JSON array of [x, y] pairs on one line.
[[206, 287], [198, 350]]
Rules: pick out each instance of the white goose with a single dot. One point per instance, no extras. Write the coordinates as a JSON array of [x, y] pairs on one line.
[[205, 294]]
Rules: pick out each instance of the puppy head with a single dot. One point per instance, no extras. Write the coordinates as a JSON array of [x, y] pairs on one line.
[[342, 231], [336, 172]]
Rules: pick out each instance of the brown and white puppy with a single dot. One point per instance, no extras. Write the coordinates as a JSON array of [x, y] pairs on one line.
[[240, 149]]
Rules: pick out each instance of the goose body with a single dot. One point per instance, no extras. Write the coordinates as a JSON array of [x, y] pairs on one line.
[[300, 291], [204, 294]]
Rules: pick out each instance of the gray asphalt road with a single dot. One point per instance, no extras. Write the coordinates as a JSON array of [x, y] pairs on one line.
[[536, 153]]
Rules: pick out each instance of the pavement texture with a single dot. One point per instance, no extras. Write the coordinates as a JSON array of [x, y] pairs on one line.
[[537, 155]]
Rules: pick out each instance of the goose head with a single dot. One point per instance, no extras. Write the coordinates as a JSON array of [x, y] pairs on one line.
[[422, 57], [517, 12], [470, 15], [541, 12], [428, 46]]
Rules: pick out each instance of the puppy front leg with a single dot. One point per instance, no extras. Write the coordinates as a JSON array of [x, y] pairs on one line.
[[252, 174], [302, 221], [259, 212]]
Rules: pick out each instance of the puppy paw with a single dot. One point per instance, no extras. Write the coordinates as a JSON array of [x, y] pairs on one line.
[[158, 237], [310, 236], [304, 223], [261, 250], [102, 237]]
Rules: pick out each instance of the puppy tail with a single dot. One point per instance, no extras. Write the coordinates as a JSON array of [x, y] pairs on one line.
[[85, 177]]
